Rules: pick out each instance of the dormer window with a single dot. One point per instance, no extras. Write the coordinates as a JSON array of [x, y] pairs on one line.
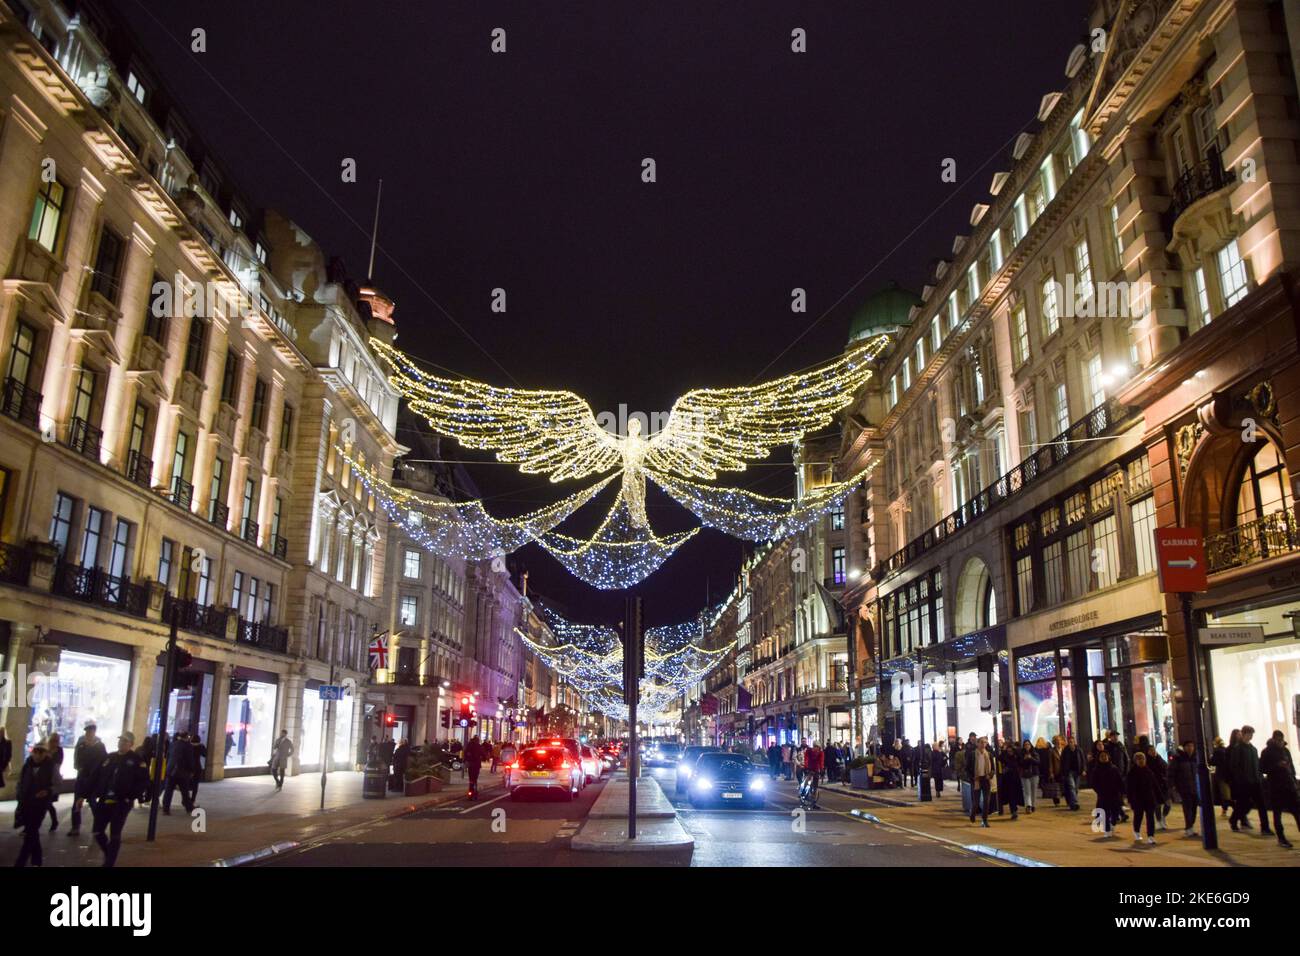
[[259, 250], [137, 88]]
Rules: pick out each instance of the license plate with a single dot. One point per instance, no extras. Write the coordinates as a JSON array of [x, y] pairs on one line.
[[539, 773], [732, 796]]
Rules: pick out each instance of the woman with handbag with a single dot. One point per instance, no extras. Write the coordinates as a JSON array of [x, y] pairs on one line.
[[1029, 771]]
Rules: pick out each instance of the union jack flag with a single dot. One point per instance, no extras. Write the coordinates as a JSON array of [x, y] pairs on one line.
[[379, 653]]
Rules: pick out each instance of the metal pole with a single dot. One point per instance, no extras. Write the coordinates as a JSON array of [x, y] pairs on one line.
[[632, 688], [1209, 826], [160, 750], [920, 756], [325, 734]]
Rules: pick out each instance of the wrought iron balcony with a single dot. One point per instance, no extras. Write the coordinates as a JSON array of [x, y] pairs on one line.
[[182, 493], [85, 438], [1071, 443], [15, 564], [1198, 181], [280, 547], [139, 469], [261, 635], [21, 403], [219, 514], [196, 617], [1270, 536], [249, 531], [95, 586]]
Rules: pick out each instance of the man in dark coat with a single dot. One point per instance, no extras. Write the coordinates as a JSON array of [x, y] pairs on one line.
[[87, 755], [1159, 770], [1109, 787], [401, 759], [1071, 768], [1119, 758], [1142, 797], [200, 764], [35, 797], [119, 781], [6, 754], [1182, 773], [180, 773], [1280, 784], [1247, 784], [473, 764], [774, 760]]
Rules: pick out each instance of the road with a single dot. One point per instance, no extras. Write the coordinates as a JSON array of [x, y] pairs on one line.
[[498, 831]]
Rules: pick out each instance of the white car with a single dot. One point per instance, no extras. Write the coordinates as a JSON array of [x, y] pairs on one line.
[[592, 765], [546, 768]]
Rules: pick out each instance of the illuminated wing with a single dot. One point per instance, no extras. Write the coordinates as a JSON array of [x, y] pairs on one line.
[[719, 429], [543, 432]]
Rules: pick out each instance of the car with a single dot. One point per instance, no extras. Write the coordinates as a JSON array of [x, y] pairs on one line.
[[591, 764], [686, 766], [548, 769], [666, 754], [568, 743], [727, 779]]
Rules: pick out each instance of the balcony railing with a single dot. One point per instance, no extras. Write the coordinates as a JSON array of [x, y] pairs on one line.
[[21, 403], [249, 531], [261, 635], [1198, 181], [182, 493], [1072, 442], [15, 564], [280, 547], [195, 617], [85, 438], [139, 469], [219, 514], [95, 586], [1268, 537]]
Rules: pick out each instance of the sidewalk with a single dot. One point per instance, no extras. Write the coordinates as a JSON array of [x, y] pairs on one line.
[[243, 815], [1059, 837]]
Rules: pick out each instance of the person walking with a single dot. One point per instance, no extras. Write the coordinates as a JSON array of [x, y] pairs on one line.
[[1280, 784], [281, 751], [87, 754], [1247, 784], [1119, 757], [474, 764], [800, 755], [1071, 767], [1182, 774], [6, 754], [773, 760], [490, 753], [35, 796], [980, 769], [938, 763], [120, 780], [1108, 785], [1142, 798], [180, 773], [1010, 786], [402, 760], [200, 764], [787, 761], [1159, 770], [831, 762], [1220, 785], [1029, 770], [54, 746], [1050, 766]]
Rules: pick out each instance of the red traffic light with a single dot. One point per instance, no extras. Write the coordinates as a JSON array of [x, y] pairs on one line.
[[390, 719]]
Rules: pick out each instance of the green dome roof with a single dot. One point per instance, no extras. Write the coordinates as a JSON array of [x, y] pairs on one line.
[[883, 312]]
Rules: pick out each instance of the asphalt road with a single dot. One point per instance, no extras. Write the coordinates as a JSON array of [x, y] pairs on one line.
[[498, 831]]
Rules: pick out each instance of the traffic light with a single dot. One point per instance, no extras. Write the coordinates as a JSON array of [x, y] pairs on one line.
[[466, 711], [446, 717], [390, 719]]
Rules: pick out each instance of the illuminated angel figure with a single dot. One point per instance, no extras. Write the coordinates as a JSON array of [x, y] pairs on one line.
[[708, 430]]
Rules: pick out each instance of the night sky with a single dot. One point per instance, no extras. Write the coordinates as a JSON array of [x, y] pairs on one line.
[[522, 171]]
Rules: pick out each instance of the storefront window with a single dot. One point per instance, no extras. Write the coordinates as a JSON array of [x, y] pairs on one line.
[[935, 707], [188, 708], [86, 687], [250, 723], [971, 717], [1257, 684], [313, 716]]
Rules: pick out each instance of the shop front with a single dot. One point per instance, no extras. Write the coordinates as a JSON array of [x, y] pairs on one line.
[[869, 714], [87, 680], [320, 724], [250, 721], [1079, 673], [190, 704]]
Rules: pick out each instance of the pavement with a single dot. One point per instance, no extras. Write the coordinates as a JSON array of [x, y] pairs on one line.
[[1057, 836], [657, 830], [240, 818]]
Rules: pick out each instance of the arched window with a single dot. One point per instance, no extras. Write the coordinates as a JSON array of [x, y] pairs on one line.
[[1265, 485], [990, 603]]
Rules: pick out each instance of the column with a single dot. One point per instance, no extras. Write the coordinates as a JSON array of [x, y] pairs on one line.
[[291, 691], [17, 713], [144, 662], [136, 279], [217, 719]]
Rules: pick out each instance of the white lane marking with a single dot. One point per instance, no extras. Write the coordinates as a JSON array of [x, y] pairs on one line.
[[488, 803]]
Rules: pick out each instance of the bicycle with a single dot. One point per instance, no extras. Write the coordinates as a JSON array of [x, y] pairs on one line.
[[808, 790]]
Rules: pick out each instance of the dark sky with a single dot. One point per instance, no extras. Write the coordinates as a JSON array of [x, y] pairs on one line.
[[522, 171]]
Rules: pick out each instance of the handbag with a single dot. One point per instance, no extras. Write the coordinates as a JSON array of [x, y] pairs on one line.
[[1051, 789]]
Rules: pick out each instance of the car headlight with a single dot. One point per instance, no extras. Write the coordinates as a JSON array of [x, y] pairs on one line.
[[685, 772], [704, 783], [757, 783]]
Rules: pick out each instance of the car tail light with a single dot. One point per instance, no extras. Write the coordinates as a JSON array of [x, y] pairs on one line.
[[566, 765]]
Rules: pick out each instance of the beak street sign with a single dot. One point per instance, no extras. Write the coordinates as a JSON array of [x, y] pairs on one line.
[[1180, 555]]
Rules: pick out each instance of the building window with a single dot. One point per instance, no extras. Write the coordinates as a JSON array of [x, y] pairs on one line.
[[92, 537], [136, 88], [195, 346], [21, 352], [1020, 323], [217, 489], [1105, 556], [1051, 309], [893, 391], [920, 355], [409, 612], [1202, 298], [1061, 409], [837, 517], [181, 460], [230, 378], [1264, 485], [1078, 563], [1083, 271], [83, 395], [139, 429], [258, 418], [1232, 274], [411, 564], [259, 250], [1144, 523], [286, 427], [250, 505], [108, 265], [236, 219], [166, 556], [839, 571], [47, 216], [61, 522], [119, 558], [1116, 234], [1096, 390]]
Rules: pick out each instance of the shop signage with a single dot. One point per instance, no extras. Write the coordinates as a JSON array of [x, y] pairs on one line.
[[708, 705], [1075, 622], [1180, 556], [1221, 636], [238, 686], [331, 691], [45, 658]]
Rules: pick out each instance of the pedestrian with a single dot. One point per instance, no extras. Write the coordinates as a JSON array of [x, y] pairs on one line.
[[938, 762], [814, 765], [87, 754], [473, 764], [1050, 767], [906, 759], [200, 764], [773, 760], [1010, 786], [35, 795], [1159, 770], [1098, 747], [1182, 774], [1220, 784], [118, 783], [402, 760], [54, 746], [799, 758], [1029, 770], [787, 764], [1280, 784], [180, 772], [1142, 798], [281, 751], [1247, 784], [831, 762], [980, 767], [490, 753], [1108, 785], [6, 754], [1119, 757], [1071, 766]]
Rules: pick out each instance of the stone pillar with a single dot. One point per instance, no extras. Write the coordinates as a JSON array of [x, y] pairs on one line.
[[290, 708], [119, 396], [15, 711], [217, 719], [144, 663]]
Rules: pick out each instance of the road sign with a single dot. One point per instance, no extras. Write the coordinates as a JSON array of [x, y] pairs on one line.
[[1224, 636], [331, 691], [1180, 556]]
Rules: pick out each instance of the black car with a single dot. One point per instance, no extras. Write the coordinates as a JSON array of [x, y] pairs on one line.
[[686, 766], [723, 779]]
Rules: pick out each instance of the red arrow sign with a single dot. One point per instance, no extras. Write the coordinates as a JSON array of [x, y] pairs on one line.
[[1180, 556]]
